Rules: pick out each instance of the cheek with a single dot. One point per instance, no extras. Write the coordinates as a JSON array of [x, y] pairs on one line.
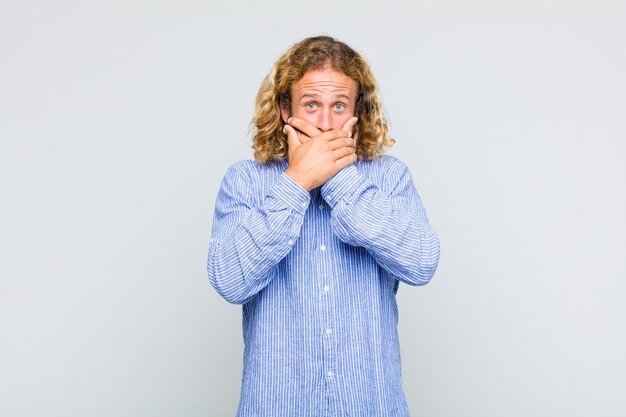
[[317, 119], [304, 115], [340, 120]]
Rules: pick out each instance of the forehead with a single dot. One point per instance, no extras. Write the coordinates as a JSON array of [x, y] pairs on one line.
[[325, 81]]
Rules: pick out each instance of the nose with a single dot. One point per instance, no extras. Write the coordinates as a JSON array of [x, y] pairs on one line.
[[325, 120]]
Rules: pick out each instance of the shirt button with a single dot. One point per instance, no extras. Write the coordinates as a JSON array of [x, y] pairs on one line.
[[326, 288], [329, 331], [329, 197], [323, 247], [329, 373], [290, 242], [321, 206], [304, 205]]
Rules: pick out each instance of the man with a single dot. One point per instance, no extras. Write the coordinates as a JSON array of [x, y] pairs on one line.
[[313, 239]]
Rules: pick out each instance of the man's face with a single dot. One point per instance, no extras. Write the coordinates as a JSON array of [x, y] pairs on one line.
[[325, 98]]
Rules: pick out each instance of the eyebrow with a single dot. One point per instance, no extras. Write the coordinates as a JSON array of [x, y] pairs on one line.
[[315, 96]]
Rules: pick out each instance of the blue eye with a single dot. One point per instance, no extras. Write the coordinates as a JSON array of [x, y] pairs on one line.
[[339, 106], [311, 106]]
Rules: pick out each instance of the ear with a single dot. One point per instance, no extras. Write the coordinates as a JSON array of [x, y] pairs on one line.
[[284, 113], [362, 103], [284, 103]]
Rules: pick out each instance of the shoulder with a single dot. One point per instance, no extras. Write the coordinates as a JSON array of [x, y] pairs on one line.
[[251, 178], [387, 172], [243, 167], [251, 169], [383, 162], [383, 167]]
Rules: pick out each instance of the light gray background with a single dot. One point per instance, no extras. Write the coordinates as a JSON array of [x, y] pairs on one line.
[[118, 120]]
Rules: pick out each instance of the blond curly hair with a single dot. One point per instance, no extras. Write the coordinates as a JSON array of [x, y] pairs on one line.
[[370, 133]]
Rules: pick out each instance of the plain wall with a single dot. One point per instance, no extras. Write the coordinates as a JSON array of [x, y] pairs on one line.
[[118, 120]]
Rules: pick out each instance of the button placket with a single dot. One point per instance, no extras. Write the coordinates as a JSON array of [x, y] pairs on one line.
[[327, 300], [326, 282]]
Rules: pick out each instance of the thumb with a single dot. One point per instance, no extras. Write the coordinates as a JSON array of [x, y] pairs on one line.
[[349, 125], [292, 137]]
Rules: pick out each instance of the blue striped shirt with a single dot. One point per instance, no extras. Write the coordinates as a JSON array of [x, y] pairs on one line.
[[317, 273]]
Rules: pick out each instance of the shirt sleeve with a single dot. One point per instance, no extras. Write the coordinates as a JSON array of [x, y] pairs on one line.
[[387, 219], [248, 238]]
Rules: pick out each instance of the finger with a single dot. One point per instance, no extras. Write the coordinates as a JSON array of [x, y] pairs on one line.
[[292, 137], [343, 152], [332, 135], [347, 160], [349, 124], [341, 142], [304, 126], [302, 137]]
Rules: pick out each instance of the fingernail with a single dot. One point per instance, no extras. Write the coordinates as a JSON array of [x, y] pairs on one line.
[[354, 121], [285, 129], [289, 120]]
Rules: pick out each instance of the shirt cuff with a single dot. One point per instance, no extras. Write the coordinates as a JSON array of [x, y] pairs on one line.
[[341, 185], [291, 193]]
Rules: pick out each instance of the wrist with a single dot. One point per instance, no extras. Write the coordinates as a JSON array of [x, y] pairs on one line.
[[298, 179]]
